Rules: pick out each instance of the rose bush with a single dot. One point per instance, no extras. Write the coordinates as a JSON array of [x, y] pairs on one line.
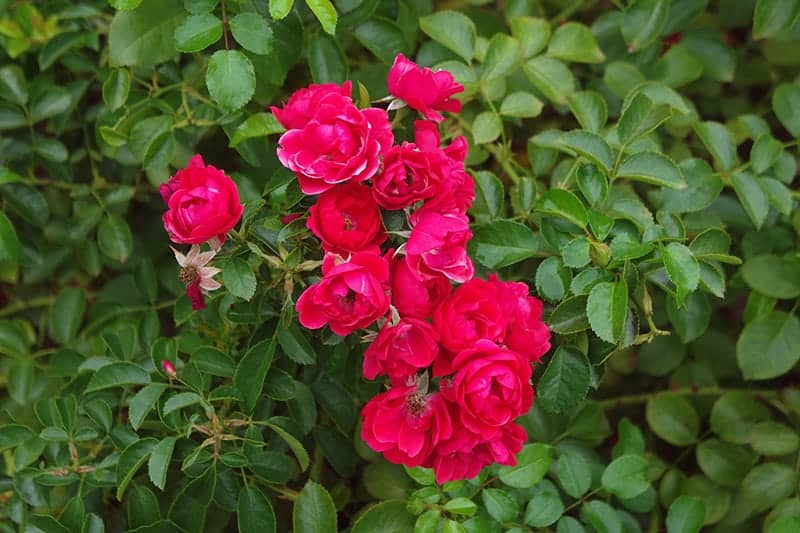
[[349, 265]]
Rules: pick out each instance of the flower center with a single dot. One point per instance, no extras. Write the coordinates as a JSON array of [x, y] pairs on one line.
[[416, 403], [189, 274]]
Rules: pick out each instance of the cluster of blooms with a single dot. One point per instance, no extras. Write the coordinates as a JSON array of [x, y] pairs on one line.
[[458, 360], [203, 205]]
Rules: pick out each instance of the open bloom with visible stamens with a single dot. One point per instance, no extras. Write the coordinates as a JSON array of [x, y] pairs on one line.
[[196, 274]]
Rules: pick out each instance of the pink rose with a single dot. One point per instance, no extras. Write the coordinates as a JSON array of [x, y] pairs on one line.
[[413, 297], [400, 350], [203, 203], [526, 333], [423, 89], [491, 386], [304, 104], [346, 219], [405, 424], [351, 294], [438, 246], [338, 144], [469, 314]]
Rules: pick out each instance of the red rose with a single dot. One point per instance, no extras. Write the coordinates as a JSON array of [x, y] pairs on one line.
[[350, 296], [203, 203], [405, 424], [413, 297], [346, 219], [304, 104], [423, 89], [491, 386], [400, 350], [469, 314], [526, 333], [438, 246], [338, 144]]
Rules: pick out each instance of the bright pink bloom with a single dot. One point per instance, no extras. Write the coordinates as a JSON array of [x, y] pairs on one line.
[[423, 89], [413, 297], [350, 296], [405, 424], [304, 103], [526, 333], [469, 314], [340, 143], [399, 351], [346, 219], [491, 387], [438, 246], [168, 368], [203, 203]]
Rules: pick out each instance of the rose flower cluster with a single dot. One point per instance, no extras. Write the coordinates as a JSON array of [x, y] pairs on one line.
[[458, 360]]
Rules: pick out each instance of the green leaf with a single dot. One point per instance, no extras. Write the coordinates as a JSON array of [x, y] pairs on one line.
[[592, 184], [639, 117], [461, 506], [117, 375], [544, 509], [254, 512], [20, 381], [521, 105], [765, 152], [686, 515], [143, 402], [158, 463], [717, 58], [673, 418], [198, 32], [601, 516], [786, 106], [297, 448], [682, 269], [734, 414], [713, 244], [179, 401], [213, 361], [773, 439], [575, 42], [114, 238], [533, 463], [551, 77], [13, 85], [144, 36], [767, 484], [314, 511], [502, 243], [719, 142], [130, 460], [13, 435], [678, 67], [486, 127], [198, 7], [382, 37], [703, 187], [643, 22], [769, 346], [453, 30], [239, 279], [774, 276], [251, 371], [389, 516], [295, 345], [124, 5], [724, 463], [326, 59], [66, 315], [771, 17], [589, 145], [752, 197], [576, 253], [230, 79], [189, 508], [564, 204], [500, 505], [532, 33], [552, 279], [626, 476], [570, 316], [501, 57], [607, 309], [45, 523], [256, 125], [252, 32], [574, 474], [280, 9], [325, 13], [779, 195], [565, 382], [28, 202], [690, 320], [489, 197], [10, 246], [590, 108], [652, 167], [53, 102]]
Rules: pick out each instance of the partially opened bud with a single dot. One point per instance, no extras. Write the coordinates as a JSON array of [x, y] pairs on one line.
[[168, 368]]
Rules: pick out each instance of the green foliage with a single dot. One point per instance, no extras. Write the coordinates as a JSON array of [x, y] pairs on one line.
[[635, 165]]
